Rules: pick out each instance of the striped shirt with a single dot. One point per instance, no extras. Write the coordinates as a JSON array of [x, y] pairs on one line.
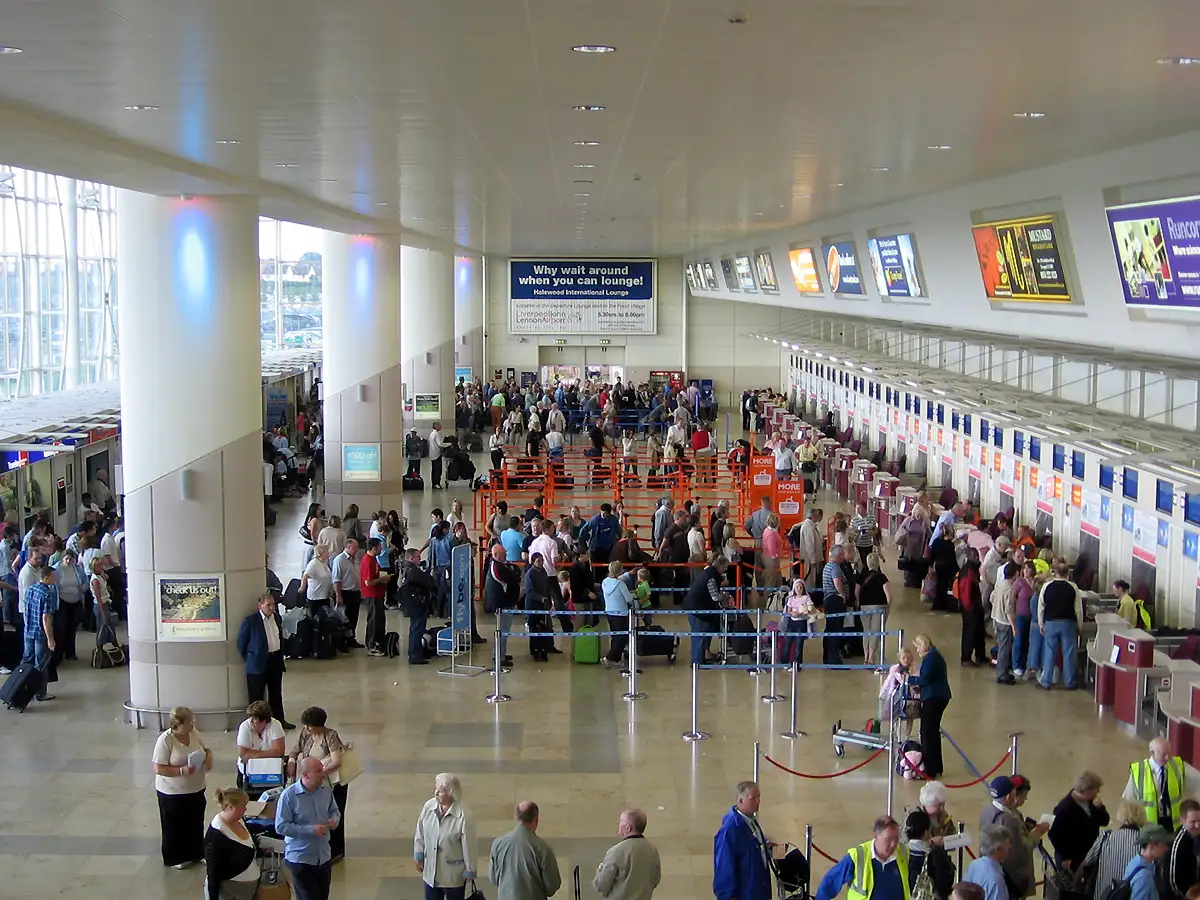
[[1111, 853], [863, 528]]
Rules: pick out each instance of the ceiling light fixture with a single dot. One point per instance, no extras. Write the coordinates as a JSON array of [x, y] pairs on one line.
[[583, 181], [880, 169], [803, 197], [1029, 115], [382, 203], [594, 48], [585, 165], [757, 212], [287, 165], [1179, 61], [583, 194], [141, 107], [327, 181], [10, 51], [228, 143], [589, 107], [939, 147], [587, 143], [838, 184]]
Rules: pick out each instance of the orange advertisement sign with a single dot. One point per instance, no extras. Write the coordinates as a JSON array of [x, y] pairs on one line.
[[762, 479], [1033, 476], [1017, 470], [804, 270], [1057, 488], [789, 503], [996, 460], [1076, 495]]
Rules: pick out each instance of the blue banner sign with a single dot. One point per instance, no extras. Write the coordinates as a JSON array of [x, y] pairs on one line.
[[580, 296], [466, 373], [841, 265], [894, 262], [360, 462], [1158, 251], [460, 587]]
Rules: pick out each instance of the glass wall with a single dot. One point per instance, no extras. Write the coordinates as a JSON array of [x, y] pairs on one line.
[[291, 288], [58, 324]]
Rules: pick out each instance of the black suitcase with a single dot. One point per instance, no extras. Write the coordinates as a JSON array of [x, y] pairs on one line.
[[22, 686], [852, 647], [652, 642], [742, 646], [412, 483], [391, 644], [324, 641], [291, 594], [269, 517], [12, 647]]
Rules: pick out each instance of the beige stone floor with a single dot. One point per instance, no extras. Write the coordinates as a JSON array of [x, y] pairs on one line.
[[78, 818]]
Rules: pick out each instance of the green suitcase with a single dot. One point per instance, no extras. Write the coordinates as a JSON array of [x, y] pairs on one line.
[[587, 646]]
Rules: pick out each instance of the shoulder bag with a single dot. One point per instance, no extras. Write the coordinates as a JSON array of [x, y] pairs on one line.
[[350, 768]]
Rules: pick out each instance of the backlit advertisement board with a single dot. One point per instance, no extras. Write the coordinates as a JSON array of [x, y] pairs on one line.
[[1158, 251], [804, 270], [841, 265], [1020, 260]]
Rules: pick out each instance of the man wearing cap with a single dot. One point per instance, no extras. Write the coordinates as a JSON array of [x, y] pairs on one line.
[[1182, 868], [876, 870], [1153, 842], [1159, 783], [412, 450], [1007, 794]]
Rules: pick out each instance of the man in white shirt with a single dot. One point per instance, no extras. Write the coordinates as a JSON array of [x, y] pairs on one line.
[[812, 546], [557, 420], [543, 542], [29, 575], [435, 454], [345, 567], [102, 496], [87, 505], [677, 434], [554, 442]]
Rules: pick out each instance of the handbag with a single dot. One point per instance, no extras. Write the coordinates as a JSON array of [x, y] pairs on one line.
[[475, 893], [350, 768]]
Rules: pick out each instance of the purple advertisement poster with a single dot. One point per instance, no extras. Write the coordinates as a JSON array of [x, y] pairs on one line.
[[1158, 251]]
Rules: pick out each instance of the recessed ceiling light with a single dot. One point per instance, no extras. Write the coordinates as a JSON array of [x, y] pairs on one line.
[[594, 48], [141, 107], [589, 108], [585, 165], [382, 203], [803, 197], [583, 195], [757, 212], [880, 169], [583, 181], [1179, 61], [587, 143], [10, 51], [358, 193], [287, 165], [838, 184], [1029, 115], [327, 181], [228, 142], [939, 147]]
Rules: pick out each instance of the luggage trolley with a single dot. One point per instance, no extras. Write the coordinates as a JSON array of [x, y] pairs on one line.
[[878, 732]]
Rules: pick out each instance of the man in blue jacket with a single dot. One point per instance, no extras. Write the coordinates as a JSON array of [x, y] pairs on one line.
[[875, 870], [260, 644], [741, 851]]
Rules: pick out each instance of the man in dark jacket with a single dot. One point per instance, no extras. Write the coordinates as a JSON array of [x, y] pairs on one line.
[[501, 590], [260, 644], [741, 851], [705, 595], [674, 550], [417, 588]]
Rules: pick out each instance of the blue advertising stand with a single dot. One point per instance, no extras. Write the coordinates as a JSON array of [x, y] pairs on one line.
[[459, 632]]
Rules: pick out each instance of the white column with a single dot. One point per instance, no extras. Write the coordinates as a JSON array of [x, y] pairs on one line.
[[74, 326], [427, 329], [191, 421], [361, 371], [468, 314]]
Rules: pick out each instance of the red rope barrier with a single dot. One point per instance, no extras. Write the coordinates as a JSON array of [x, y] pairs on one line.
[[966, 784], [970, 853], [824, 854], [870, 758]]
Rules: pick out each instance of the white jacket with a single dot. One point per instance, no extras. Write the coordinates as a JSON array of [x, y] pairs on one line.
[[446, 844]]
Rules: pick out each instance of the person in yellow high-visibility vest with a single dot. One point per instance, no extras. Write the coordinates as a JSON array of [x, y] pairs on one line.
[[1160, 782], [876, 870]]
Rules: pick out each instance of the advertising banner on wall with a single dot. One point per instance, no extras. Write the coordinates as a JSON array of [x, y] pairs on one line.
[[427, 406], [579, 296], [360, 462], [1089, 513], [841, 265], [766, 271], [1145, 537], [1158, 251], [894, 263], [191, 607], [1020, 260], [804, 270], [745, 275]]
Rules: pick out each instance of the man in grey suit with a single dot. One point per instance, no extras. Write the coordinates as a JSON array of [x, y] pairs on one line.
[[631, 869], [523, 865]]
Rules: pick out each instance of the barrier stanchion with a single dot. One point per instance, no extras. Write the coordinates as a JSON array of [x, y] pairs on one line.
[[695, 734], [758, 616], [893, 734], [773, 695], [496, 696], [808, 851], [757, 757], [633, 693], [1014, 746], [793, 733], [961, 828]]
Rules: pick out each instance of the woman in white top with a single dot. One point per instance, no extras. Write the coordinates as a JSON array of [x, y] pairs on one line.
[[496, 447], [72, 587], [444, 845], [696, 548], [456, 511], [317, 581], [180, 760], [333, 537], [230, 856], [98, 585], [259, 737]]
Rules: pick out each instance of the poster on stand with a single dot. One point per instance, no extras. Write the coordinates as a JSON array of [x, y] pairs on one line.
[[191, 607]]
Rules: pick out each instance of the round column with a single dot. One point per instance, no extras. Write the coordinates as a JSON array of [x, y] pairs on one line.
[[427, 334], [363, 428], [468, 315], [191, 423]]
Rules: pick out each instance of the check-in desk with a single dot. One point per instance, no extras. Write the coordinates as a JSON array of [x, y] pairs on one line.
[[1179, 709], [1129, 678], [828, 447], [843, 466]]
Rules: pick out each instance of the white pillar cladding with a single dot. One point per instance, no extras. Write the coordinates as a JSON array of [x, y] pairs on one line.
[[427, 330], [364, 396], [468, 314], [191, 423]]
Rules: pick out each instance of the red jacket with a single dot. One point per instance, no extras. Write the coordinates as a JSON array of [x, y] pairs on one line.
[[966, 588]]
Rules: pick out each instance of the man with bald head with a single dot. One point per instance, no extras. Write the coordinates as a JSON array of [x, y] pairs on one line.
[[1159, 783], [523, 865], [631, 869], [304, 816]]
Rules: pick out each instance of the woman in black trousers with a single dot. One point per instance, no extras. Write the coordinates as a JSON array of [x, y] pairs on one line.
[[935, 697]]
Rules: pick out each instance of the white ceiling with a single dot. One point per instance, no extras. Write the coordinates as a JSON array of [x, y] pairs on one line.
[[457, 113]]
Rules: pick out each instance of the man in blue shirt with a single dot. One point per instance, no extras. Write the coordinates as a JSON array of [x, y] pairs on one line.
[[440, 546], [875, 870], [512, 539], [41, 603], [988, 870], [304, 816]]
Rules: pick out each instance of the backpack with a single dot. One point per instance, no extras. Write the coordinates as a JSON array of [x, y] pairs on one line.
[[600, 537], [1120, 889]]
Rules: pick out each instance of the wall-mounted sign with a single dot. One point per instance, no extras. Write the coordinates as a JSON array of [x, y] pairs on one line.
[[581, 296], [1020, 260], [745, 275], [804, 270], [427, 406], [191, 607], [1158, 251], [841, 265], [465, 373], [766, 271], [360, 462], [894, 262]]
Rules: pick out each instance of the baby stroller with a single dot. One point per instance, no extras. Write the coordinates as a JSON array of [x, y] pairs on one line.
[[791, 874]]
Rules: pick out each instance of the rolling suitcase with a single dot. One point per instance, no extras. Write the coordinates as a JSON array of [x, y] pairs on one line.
[[412, 483], [587, 646], [652, 642], [391, 644], [291, 594], [742, 645], [22, 686]]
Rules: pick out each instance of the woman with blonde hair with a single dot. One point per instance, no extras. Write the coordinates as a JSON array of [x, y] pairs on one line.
[[180, 761], [230, 856], [934, 683], [444, 843], [1112, 850], [874, 596]]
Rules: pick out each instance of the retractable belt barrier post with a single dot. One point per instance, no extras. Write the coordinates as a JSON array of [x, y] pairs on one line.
[[633, 693], [1014, 747], [793, 733], [695, 734], [496, 696], [757, 757]]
